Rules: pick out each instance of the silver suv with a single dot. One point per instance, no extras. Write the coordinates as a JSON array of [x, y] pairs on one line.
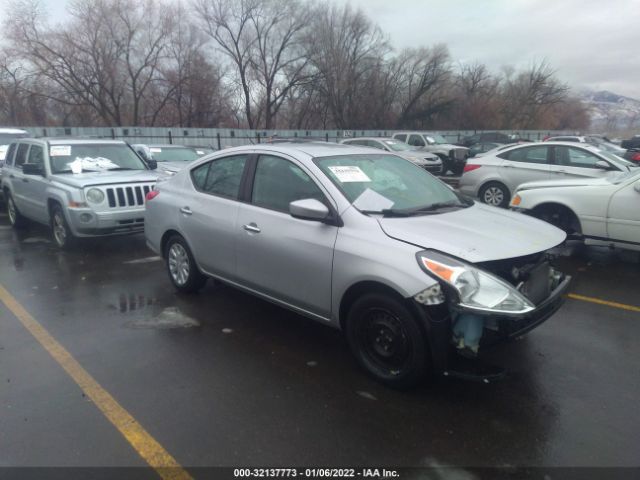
[[81, 188], [453, 156], [363, 241]]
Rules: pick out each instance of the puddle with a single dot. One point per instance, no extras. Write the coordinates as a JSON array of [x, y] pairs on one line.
[[366, 395], [142, 260], [170, 317], [132, 302], [36, 240]]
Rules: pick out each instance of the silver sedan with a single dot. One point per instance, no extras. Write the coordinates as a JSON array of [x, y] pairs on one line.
[[495, 176], [362, 241]]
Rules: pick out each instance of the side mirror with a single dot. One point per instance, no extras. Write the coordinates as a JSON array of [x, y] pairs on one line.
[[152, 164], [601, 164], [308, 209], [636, 186], [32, 169]]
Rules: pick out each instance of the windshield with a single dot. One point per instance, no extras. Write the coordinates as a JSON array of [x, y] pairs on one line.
[[431, 138], [93, 157], [387, 184], [398, 146], [173, 154]]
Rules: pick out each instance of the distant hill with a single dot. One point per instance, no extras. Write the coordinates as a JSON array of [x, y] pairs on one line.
[[611, 112]]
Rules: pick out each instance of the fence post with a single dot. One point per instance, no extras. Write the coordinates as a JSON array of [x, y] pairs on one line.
[[170, 138], [258, 137], [326, 137], [218, 138], [113, 134]]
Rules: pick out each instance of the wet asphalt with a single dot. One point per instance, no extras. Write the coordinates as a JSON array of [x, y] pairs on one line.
[[221, 378]]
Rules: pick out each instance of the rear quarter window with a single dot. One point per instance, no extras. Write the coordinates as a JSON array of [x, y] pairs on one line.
[[9, 156], [21, 155]]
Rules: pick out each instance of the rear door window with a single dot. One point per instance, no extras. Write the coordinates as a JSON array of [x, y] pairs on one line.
[[9, 156], [527, 155], [220, 177]]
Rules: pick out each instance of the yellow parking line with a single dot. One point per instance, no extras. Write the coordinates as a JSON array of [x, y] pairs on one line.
[[143, 443], [599, 301]]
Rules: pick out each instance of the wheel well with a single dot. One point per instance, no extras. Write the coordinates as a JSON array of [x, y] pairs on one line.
[[50, 203], [165, 238], [359, 289], [556, 207]]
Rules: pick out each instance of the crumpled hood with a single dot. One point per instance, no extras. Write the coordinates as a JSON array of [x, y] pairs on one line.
[[87, 179], [476, 234]]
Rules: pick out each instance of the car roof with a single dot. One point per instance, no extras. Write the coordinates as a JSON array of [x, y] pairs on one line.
[[162, 145], [312, 149], [81, 141], [382, 139], [13, 131]]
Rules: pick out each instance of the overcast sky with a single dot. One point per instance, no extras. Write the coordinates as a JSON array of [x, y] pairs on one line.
[[591, 43]]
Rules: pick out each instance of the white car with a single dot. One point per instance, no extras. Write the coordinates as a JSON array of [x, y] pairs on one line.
[[603, 211], [494, 176]]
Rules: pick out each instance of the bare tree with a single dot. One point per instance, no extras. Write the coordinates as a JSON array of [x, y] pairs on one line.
[[345, 48], [106, 56]]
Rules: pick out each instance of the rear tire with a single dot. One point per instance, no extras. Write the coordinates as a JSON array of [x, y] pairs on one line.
[[387, 341], [15, 217], [60, 230], [495, 194], [181, 266]]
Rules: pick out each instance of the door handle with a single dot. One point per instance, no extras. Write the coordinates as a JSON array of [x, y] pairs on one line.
[[186, 211], [252, 227], [508, 166], [12, 176], [25, 180]]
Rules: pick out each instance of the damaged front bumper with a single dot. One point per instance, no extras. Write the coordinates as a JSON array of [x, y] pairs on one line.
[[497, 327]]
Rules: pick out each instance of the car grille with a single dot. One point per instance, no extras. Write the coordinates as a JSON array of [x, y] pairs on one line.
[[458, 154], [127, 196]]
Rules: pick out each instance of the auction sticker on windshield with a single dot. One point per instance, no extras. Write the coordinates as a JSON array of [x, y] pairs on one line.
[[60, 151], [349, 174]]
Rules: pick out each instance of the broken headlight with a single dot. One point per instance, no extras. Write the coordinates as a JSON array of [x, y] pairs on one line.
[[476, 289]]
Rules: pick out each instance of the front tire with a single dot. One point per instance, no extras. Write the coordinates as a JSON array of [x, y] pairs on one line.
[[387, 341], [181, 266], [62, 234], [15, 217], [495, 194]]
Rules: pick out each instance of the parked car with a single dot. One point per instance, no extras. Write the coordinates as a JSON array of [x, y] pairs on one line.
[[633, 155], [595, 140], [486, 137], [493, 178], [602, 211], [633, 142], [170, 158], [80, 188], [429, 161], [363, 241], [482, 147], [8, 135], [453, 156]]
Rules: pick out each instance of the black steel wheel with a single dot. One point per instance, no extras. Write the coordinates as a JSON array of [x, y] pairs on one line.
[[387, 341]]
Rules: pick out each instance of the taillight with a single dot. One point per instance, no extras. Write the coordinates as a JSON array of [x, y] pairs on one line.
[[470, 167], [636, 157], [151, 195]]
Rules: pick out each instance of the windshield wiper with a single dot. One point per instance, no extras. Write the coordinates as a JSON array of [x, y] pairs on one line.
[[408, 212], [119, 169]]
